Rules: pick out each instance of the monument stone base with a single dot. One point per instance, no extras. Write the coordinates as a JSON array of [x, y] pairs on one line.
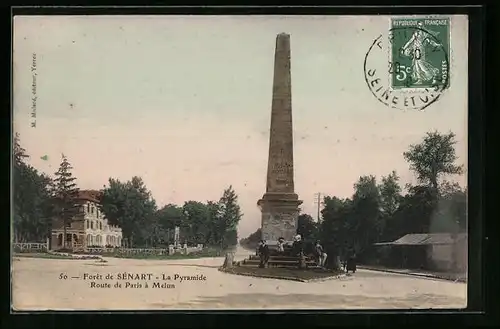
[[280, 213]]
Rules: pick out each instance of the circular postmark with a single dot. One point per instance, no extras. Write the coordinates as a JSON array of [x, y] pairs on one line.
[[408, 68]]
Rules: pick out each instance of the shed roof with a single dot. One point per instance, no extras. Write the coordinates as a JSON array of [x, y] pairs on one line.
[[423, 239]]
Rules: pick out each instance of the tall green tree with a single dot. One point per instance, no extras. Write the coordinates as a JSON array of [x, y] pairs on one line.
[[415, 210], [367, 223], [168, 217], [19, 153], [195, 226], [433, 158], [131, 206], [336, 232], [65, 195], [390, 194], [390, 198], [307, 227], [450, 215], [31, 198], [214, 218], [230, 215]]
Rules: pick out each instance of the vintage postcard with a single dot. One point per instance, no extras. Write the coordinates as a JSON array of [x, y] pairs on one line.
[[239, 162]]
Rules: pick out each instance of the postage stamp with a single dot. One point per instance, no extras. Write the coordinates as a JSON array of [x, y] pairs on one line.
[[156, 164], [408, 67], [419, 52]]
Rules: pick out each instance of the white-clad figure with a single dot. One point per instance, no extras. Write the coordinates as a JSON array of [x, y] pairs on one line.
[[416, 49]]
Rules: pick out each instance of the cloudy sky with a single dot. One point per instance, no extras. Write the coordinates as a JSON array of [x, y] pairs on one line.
[[184, 102]]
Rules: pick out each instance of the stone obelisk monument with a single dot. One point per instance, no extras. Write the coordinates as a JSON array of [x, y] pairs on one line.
[[280, 204]]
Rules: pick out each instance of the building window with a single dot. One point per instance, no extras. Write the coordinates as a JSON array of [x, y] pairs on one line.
[[97, 212], [92, 210], [88, 207], [92, 224], [100, 225]]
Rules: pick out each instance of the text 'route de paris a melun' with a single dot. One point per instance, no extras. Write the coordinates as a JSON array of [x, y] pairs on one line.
[[134, 280]]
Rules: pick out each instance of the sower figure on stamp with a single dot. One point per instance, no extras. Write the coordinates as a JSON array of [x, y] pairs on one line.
[[263, 253], [416, 49]]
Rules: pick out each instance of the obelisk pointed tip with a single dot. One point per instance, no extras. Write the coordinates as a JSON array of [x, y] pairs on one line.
[[283, 35]]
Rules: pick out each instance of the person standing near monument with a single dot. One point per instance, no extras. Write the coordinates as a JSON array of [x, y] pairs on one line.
[[263, 254], [298, 246], [320, 254], [298, 251], [351, 262], [281, 245]]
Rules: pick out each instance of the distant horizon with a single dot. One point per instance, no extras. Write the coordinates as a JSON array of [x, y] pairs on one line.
[[185, 104]]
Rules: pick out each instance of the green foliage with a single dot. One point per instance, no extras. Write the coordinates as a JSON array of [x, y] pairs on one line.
[[229, 215], [390, 194], [196, 222], [307, 227], [166, 219], [380, 212], [376, 211], [131, 206], [31, 199], [434, 157], [65, 194], [212, 223]]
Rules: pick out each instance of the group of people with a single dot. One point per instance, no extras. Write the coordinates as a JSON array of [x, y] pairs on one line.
[[297, 250]]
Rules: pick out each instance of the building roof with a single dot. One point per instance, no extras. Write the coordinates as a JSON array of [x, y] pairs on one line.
[[89, 195], [424, 239]]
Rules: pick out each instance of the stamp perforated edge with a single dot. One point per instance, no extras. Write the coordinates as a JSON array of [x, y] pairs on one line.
[[447, 51]]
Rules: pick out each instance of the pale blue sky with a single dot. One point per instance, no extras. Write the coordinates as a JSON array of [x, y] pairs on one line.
[[185, 103]]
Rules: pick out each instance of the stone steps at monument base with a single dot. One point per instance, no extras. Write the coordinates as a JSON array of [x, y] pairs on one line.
[[295, 265], [272, 263], [280, 258]]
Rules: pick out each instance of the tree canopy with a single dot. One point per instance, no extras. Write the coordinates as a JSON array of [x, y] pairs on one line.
[[382, 210], [433, 158], [31, 193], [65, 194], [40, 199], [378, 210]]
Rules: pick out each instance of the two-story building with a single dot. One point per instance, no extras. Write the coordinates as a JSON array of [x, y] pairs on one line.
[[89, 228]]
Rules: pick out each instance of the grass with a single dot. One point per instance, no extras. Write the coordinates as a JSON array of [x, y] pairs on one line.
[[294, 274]]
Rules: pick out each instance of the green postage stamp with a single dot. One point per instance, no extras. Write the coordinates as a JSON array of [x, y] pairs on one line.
[[419, 53]]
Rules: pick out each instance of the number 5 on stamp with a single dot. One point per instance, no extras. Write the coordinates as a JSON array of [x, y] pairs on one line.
[[419, 53]]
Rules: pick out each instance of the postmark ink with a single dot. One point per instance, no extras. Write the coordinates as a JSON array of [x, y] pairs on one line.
[[408, 68]]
